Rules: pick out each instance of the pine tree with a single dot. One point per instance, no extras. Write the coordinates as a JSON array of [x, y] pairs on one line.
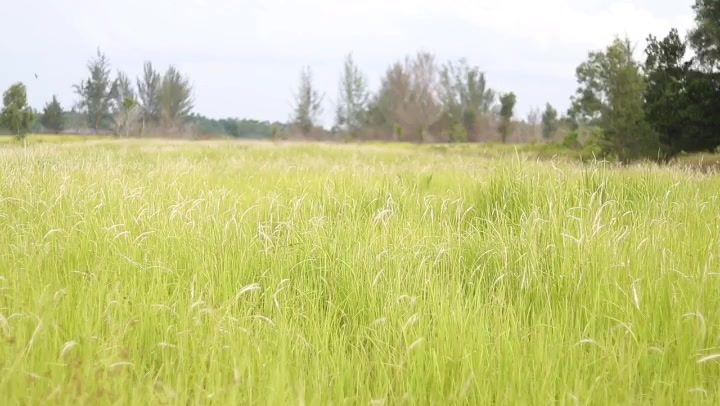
[[97, 93], [352, 99], [175, 100], [52, 117], [549, 122], [308, 103]]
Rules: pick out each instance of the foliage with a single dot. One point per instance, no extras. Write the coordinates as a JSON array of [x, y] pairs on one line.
[[572, 140], [126, 112], [52, 117], [149, 89], [682, 103], [308, 103], [465, 95], [611, 96], [705, 37], [16, 115], [390, 99], [97, 93], [592, 147], [422, 108], [550, 122], [507, 107], [458, 133], [231, 127], [353, 99], [409, 97], [175, 100]]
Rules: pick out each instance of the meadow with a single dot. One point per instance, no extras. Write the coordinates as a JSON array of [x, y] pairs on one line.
[[219, 272]]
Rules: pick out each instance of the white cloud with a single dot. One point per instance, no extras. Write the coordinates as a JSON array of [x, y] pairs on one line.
[[564, 22]]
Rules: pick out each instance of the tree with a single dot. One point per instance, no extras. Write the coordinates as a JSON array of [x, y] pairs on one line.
[[550, 122], [682, 103], [176, 102], [308, 103], [52, 116], [465, 95], [423, 107], [409, 100], [610, 96], [125, 107], [705, 38], [16, 115], [507, 107], [149, 87], [231, 127], [97, 93], [387, 107], [352, 99], [533, 119]]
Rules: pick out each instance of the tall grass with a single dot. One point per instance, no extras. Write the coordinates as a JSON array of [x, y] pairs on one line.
[[146, 272]]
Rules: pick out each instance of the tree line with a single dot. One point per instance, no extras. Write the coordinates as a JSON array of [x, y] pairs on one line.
[[153, 104], [623, 108], [419, 100], [657, 108]]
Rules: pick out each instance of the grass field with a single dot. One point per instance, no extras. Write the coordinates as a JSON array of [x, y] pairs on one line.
[[152, 272], [51, 139]]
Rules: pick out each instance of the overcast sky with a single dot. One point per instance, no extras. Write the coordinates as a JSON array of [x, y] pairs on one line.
[[244, 57]]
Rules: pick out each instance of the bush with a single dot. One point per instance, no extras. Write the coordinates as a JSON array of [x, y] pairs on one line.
[[458, 133], [572, 141]]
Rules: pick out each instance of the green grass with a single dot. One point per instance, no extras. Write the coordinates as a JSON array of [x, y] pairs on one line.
[[150, 272]]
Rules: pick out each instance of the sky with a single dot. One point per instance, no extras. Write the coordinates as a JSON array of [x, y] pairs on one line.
[[244, 57]]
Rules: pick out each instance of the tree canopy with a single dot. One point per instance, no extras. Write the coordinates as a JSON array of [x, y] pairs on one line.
[[97, 93], [308, 103], [52, 116], [507, 109], [16, 115], [610, 96]]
